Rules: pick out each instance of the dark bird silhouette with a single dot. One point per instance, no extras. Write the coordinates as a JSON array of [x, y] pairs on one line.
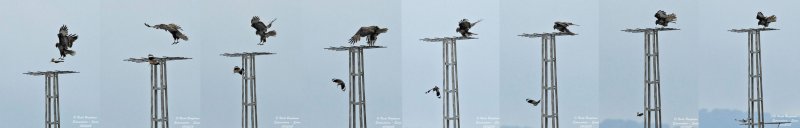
[[436, 90], [152, 59], [463, 27], [65, 42], [54, 60], [371, 32], [533, 102], [261, 29], [562, 26], [742, 120], [663, 19], [173, 29], [639, 114], [339, 83], [236, 69], [764, 21]]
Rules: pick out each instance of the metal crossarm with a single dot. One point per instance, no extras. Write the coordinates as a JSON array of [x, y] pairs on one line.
[[450, 107], [652, 76], [52, 103], [549, 85], [249, 107], [159, 110], [357, 104], [755, 93]]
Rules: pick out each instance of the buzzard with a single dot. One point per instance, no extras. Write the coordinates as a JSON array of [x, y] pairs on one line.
[[262, 29], [562, 26], [663, 19], [371, 32], [463, 27], [764, 21], [173, 29], [65, 42]]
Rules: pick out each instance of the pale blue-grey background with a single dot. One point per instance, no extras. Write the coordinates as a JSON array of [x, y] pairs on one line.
[[703, 65]]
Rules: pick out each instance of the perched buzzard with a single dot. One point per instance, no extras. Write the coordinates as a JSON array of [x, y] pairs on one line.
[[764, 21], [371, 32], [562, 26], [262, 29], [152, 59], [664, 19], [463, 27], [173, 29]]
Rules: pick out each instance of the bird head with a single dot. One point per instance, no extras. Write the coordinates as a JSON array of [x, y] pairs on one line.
[[255, 20]]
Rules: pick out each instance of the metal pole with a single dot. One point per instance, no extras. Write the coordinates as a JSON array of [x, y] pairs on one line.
[[47, 100], [555, 82], [455, 84], [58, 103], [445, 115], [750, 79], [544, 84], [153, 111], [760, 81]]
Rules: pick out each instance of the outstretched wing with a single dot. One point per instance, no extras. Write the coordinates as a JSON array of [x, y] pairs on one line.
[[363, 31], [63, 30], [760, 16], [476, 22], [270, 23], [181, 35]]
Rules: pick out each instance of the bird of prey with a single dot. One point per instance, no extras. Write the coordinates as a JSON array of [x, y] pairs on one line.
[[436, 90], [236, 69], [764, 21], [173, 29], [463, 27], [562, 26], [639, 114], [261, 29], [54, 60], [742, 120], [533, 102], [339, 83], [371, 32], [152, 59], [65, 42], [664, 19]]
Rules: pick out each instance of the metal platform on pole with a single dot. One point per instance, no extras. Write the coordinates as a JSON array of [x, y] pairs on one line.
[[755, 93], [159, 110], [652, 75], [358, 107], [451, 114], [52, 104], [549, 118], [249, 108]]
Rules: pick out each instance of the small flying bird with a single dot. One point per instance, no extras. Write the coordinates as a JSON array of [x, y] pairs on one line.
[[533, 102], [236, 69], [152, 59], [173, 29], [764, 21], [562, 26], [54, 60], [639, 114], [261, 29], [742, 120], [339, 83], [664, 19], [371, 32], [463, 27], [65, 42], [436, 90]]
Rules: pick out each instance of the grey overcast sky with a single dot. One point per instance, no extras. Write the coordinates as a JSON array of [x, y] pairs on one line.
[[703, 65]]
